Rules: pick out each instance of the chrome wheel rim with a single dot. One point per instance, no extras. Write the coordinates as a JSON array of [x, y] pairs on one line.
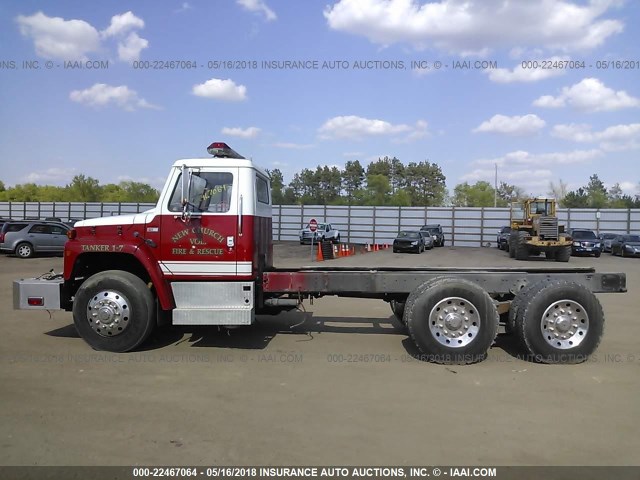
[[564, 324], [454, 322], [24, 251], [108, 313]]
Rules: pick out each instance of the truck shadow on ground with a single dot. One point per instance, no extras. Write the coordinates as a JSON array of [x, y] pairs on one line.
[[304, 325]]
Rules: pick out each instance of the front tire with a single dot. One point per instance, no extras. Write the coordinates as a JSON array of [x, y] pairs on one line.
[[24, 250], [114, 311], [563, 254], [522, 249], [451, 321]]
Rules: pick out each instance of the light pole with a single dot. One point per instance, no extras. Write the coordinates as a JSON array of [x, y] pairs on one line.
[[495, 188]]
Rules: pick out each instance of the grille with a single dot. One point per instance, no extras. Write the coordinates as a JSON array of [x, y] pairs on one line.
[[549, 228]]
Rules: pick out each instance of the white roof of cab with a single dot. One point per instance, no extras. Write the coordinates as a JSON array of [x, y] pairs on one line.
[[219, 162]]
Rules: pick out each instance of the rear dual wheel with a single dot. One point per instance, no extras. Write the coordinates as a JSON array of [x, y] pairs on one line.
[[557, 321], [451, 321]]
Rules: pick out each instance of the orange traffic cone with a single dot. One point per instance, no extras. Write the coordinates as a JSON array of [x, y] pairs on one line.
[[319, 257]]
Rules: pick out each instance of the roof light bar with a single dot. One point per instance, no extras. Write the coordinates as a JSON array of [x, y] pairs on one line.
[[221, 149]]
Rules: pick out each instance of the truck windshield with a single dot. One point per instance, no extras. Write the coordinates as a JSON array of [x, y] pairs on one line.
[[210, 192]]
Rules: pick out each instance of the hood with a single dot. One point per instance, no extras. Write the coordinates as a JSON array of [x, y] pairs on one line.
[[136, 218]]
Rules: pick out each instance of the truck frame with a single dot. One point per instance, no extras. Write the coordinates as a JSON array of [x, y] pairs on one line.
[[204, 256]]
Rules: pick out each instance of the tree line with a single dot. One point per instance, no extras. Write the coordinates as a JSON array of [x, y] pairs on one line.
[[80, 189], [385, 182]]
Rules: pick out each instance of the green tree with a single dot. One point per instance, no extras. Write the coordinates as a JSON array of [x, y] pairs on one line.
[[352, 178], [2, 187], [84, 189], [425, 183], [576, 199], [597, 192], [378, 190], [277, 186], [480, 194]]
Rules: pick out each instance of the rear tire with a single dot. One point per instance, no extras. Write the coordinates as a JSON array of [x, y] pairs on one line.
[[114, 311], [563, 254], [562, 322], [512, 245], [24, 250], [451, 321]]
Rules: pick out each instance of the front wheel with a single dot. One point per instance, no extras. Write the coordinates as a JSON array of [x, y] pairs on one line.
[[24, 250], [114, 311], [451, 321]]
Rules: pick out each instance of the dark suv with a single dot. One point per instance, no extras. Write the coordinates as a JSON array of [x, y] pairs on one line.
[[585, 242], [435, 231], [26, 238], [503, 238]]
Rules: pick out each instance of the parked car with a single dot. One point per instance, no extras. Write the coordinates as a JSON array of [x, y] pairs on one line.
[[584, 242], [26, 238], [72, 221], [626, 246], [503, 238], [605, 241], [435, 231], [428, 240], [409, 241], [324, 232]]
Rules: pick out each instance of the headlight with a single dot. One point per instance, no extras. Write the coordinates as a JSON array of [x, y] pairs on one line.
[[576, 244], [414, 243], [597, 245], [435, 237]]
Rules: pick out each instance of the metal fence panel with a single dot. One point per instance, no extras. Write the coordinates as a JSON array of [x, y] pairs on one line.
[[462, 226]]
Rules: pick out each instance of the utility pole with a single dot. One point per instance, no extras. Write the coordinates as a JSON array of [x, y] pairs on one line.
[[495, 188]]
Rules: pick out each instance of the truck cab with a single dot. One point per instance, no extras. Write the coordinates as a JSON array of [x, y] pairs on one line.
[[199, 254]]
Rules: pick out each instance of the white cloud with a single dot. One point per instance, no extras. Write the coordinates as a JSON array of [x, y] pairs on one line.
[[465, 26], [352, 154], [526, 75], [155, 182], [259, 7], [130, 49], [293, 146], [516, 125], [354, 127], [52, 176], [532, 180], [184, 7], [101, 95], [589, 95], [221, 90], [123, 24], [55, 37], [522, 158], [614, 138], [249, 132]]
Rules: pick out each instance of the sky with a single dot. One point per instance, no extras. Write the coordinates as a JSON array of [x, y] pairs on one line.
[[119, 90]]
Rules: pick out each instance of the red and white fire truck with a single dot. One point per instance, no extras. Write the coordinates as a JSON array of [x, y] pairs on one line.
[[204, 256]]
